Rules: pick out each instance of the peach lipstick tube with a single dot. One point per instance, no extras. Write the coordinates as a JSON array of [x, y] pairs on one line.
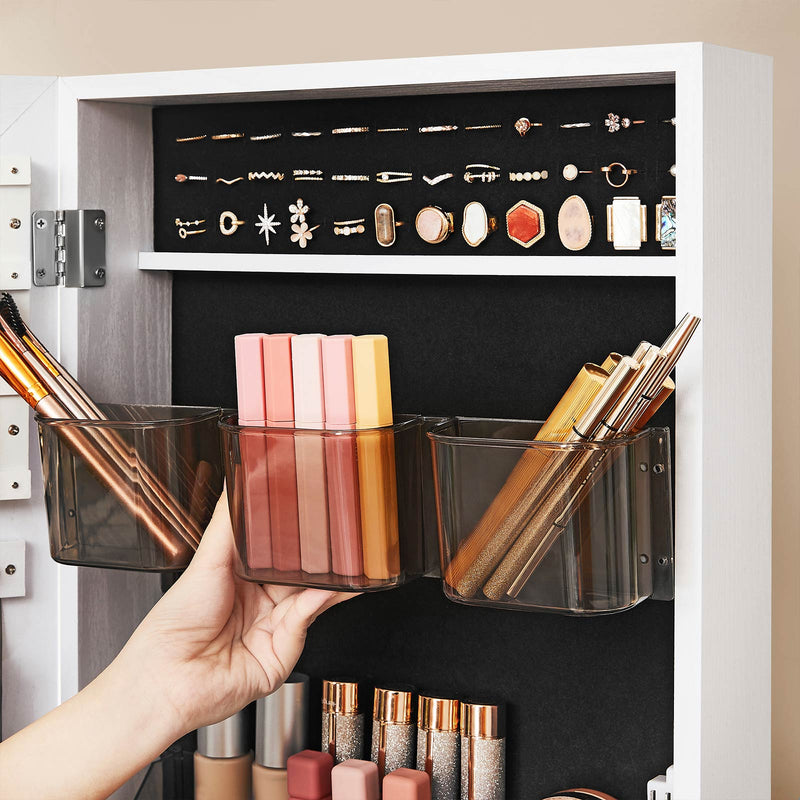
[[341, 463], [309, 448]]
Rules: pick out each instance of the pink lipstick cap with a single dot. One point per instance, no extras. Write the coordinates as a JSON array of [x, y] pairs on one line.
[[340, 393], [279, 393], [355, 780], [309, 393], [407, 784], [309, 775], [250, 378]]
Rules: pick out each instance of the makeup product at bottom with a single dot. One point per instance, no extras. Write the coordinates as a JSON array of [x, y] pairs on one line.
[[342, 723], [223, 760], [438, 745], [281, 731], [376, 459], [355, 780], [393, 729], [308, 775], [483, 751], [407, 784]]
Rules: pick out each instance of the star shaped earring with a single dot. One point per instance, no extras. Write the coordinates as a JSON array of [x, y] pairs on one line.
[[267, 224]]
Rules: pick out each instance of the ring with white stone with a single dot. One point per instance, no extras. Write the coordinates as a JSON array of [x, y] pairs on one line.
[[672, 170], [229, 223], [616, 123], [523, 125], [179, 223], [570, 172], [345, 229], [625, 171], [393, 177], [537, 175], [477, 224]]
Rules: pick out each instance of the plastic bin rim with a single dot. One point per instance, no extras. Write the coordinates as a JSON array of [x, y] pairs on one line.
[[193, 414], [401, 423], [477, 441]]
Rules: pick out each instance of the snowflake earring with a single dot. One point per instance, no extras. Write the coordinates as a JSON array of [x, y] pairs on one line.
[[301, 233]]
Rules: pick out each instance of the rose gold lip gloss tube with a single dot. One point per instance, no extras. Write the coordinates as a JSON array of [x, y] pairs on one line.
[[223, 759], [393, 729], [342, 721], [483, 752], [438, 745]]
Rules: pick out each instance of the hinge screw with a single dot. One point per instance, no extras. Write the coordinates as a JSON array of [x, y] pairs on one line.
[[41, 224], [100, 223], [10, 569], [99, 273], [15, 485], [14, 170], [15, 223], [14, 276], [13, 430], [40, 273]]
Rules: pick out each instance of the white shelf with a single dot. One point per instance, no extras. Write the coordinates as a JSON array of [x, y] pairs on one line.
[[551, 266]]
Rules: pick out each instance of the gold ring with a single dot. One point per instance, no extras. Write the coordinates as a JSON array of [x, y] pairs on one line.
[[575, 125], [394, 177], [183, 233], [192, 138], [228, 136], [265, 136], [350, 178], [181, 178], [537, 175], [229, 217], [477, 224], [570, 172], [625, 171], [523, 125], [265, 176], [489, 127], [179, 223], [614, 122], [358, 129], [438, 128], [392, 130], [525, 223], [304, 134], [434, 225], [438, 179], [231, 181]]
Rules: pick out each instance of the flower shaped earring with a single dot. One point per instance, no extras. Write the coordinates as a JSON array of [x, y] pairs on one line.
[[301, 233]]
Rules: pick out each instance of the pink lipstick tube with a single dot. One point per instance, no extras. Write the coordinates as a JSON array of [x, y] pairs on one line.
[[252, 413], [309, 448], [341, 463], [281, 464]]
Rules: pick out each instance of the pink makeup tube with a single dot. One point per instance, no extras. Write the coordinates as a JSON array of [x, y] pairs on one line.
[[281, 464], [252, 413], [341, 464], [309, 449]]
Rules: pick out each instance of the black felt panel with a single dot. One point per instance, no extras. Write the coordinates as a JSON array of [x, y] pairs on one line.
[[590, 700], [648, 148]]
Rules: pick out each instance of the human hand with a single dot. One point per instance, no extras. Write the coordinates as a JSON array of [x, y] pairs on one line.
[[216, 642]]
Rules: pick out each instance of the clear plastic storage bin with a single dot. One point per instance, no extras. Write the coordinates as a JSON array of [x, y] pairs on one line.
[[580, 529], [135, 491]]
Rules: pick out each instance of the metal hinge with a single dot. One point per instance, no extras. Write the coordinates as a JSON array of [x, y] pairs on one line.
[[69, 248]]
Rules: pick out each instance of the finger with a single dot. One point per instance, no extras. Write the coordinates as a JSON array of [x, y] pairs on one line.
[[216, 545], [289, 634]]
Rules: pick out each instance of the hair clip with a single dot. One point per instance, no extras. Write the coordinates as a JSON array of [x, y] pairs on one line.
[[358, 129], [392, 130], [625, 171], [218, 136], [229, 223], [350, 178], [438, 128], [394, 177], [575, 125], [570, 172], [438, 179], [491, 126], [229, 182], [523, 125], [183, 233], [490, 174], [181, 178], [542, 175], [266, 224], [265, 176], [307, 175], [179, 223], [349, 226], [305, 134], [302, 234], [265, 136], [614, 122], [192, 138]]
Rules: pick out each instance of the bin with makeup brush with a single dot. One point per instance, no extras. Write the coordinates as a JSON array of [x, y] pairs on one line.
[[133, 491], [580, 528]]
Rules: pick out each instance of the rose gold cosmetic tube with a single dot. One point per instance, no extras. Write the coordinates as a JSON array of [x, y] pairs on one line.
[[393, 730], [483, 752], [223, 760], [342, 722], [438, 745]]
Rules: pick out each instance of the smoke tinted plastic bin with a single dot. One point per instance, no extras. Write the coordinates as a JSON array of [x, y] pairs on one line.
[[135, 491], [577, 529], [329, 509]]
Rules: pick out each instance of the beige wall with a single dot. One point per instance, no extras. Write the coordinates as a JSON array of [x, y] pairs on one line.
[[87, 36]]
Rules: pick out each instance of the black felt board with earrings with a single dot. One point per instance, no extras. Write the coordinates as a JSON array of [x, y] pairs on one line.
[[590, 701], [648, 148]]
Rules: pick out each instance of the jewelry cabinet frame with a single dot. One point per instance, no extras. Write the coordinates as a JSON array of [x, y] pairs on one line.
[[90, 141]]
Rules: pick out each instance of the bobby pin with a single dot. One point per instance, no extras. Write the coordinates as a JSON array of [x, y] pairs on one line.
[[231, 181], [192, 138], [264, 136], [265, 176], [218, 136]]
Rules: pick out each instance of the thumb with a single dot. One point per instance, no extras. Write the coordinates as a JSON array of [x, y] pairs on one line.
[[216, 547]]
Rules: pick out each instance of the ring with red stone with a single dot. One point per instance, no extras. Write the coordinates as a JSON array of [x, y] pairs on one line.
[[434, 225], [525, 223], [625, 171], [523, 125]]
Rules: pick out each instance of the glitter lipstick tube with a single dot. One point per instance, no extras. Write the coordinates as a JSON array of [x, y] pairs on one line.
[[483, 752], [438, 745], [393, 729], [342, 723]]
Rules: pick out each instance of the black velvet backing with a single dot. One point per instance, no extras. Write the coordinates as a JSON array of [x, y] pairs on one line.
[[648, 148], [590, 701]]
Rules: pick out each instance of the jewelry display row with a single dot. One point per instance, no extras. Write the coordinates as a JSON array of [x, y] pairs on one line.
[[626, 224], [612, 122]]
